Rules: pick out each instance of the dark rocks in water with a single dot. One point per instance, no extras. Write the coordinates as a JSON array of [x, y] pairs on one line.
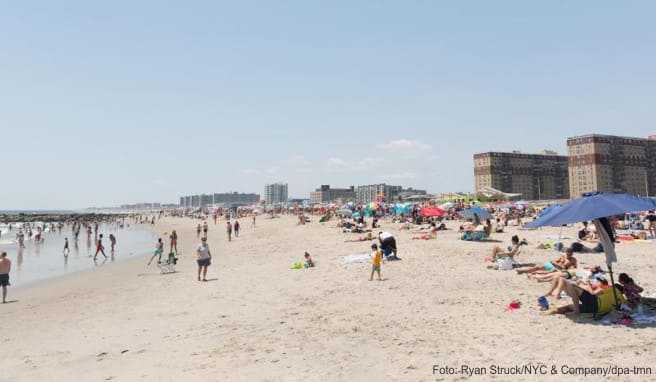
[[22, 217]]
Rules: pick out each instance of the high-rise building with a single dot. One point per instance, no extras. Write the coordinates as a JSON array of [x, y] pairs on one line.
[[611, 163], [275, 193], [534, 176], [377, 192], [325, 194]]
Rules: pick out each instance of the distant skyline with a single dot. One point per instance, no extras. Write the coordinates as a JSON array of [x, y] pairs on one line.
[[122, 102]]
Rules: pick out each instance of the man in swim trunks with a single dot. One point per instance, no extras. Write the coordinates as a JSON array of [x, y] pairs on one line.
[[5, 268]]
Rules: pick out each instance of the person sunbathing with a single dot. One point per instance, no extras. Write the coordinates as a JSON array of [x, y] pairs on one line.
[[428, 236], [368, 237], [564, 262]]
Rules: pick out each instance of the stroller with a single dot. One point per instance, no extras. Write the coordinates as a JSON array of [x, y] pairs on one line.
[[168, 266]]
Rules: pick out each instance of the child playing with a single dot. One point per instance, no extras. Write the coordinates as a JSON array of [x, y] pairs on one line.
[[308, 261], [376, 258], [631, 290]]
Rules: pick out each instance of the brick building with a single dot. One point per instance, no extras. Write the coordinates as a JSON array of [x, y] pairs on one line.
[[534, 176], [612, 163]]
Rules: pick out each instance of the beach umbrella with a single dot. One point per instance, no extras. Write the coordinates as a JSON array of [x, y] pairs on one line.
[[596, 207], [470, 212], [447, 205], [592, 206], [432, 212]]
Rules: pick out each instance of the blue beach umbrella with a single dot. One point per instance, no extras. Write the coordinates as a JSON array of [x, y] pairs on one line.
[[482, 213], [592, 206], [596, 207]]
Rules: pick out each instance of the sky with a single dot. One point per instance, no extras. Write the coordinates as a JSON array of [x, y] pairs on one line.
[[105, 103]]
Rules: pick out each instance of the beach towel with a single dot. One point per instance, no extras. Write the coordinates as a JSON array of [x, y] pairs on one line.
[[356, 258]]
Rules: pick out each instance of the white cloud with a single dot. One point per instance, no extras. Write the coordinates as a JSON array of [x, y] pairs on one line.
[[404, 145]]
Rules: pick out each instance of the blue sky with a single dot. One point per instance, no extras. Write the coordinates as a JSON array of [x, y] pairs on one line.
[[103, 103]]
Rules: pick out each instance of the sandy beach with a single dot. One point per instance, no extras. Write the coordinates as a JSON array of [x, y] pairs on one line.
[[258, 320]]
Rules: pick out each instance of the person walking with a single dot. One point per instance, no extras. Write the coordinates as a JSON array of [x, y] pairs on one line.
[[99, 247], [229, 230], [5, 268], [236, 227], [203, 259]]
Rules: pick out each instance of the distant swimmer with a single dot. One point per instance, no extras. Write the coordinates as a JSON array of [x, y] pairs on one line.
[[99, 247], [66, 249], [5, 268]]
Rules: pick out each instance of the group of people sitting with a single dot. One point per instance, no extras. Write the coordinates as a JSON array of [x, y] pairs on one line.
[[588, 287]]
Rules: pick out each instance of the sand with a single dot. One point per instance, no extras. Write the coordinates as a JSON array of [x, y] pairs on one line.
[[258, 320]]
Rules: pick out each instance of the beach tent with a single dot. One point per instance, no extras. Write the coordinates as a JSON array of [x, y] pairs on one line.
[[597, 207], [432, 212], [470, 212], [402, 208]]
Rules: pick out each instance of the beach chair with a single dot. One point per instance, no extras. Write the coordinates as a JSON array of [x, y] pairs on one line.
[[168, 266]]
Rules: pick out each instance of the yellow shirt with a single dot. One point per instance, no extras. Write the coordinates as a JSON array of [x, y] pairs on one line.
[[376, 258]]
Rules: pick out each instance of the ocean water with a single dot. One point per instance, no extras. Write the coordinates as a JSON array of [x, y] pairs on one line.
[[38, 262]]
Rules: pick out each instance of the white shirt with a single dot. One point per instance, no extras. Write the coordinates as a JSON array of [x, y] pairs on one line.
[[203, 251], [385, 235]]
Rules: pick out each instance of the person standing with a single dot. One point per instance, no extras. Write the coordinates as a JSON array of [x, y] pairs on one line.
[[376, 259], [5, 268], [174, 241], [254, 217], [205, 228], [229, 230], [66, 249], [112, 241], [99, 247], [204, 259], [198, 229], [236, 228]]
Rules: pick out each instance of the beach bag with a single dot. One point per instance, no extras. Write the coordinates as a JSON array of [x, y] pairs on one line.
[[505, 264]]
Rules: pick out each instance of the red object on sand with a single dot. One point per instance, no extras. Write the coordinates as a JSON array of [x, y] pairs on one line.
[[514, 305], [432, 212]]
